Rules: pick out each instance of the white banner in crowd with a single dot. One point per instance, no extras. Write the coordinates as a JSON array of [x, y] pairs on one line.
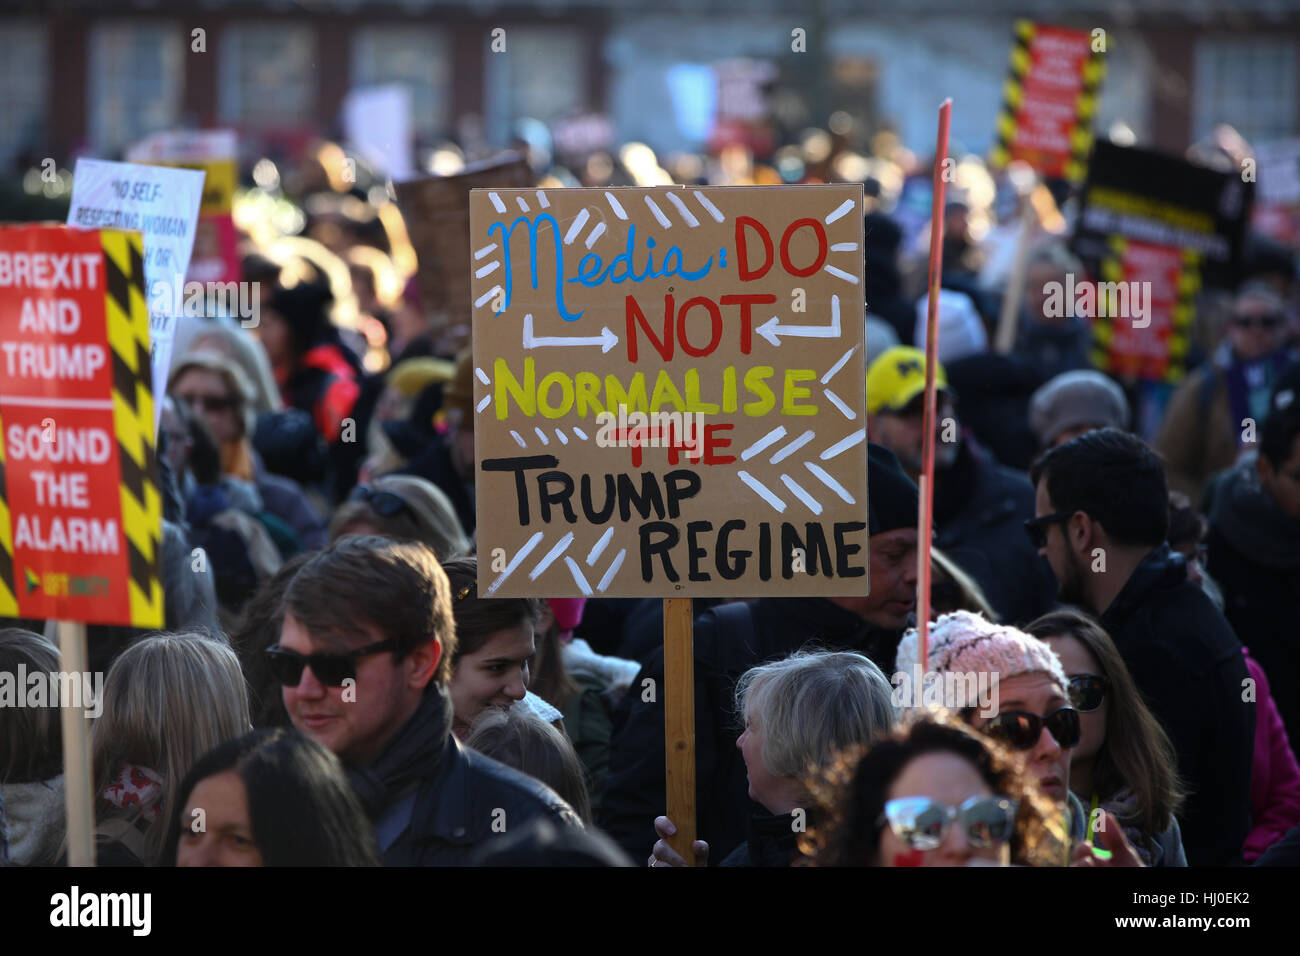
[[162, 204]]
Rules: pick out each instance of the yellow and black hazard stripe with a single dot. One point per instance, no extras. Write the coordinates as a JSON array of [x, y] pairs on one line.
[[1180, 336], [8, 596], [1085, 112], [128, 337], [1012, 93]]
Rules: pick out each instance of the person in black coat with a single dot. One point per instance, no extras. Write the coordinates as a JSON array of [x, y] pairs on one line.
[[364, 659], [1101, 520], [733, 638]]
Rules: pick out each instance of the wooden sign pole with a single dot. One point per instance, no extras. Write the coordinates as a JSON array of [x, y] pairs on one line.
[[77, 782], [679, 722], [925, 511]]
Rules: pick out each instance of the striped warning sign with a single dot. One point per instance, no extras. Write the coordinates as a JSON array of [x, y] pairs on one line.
[[80, 506], [1049, 100]]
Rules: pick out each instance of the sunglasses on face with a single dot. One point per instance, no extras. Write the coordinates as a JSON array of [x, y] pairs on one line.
[[1020, 730], [1087, 691], [209, 403], [1036, 528], [923, 823], [330, 669], [383, 503], [1266, 322]]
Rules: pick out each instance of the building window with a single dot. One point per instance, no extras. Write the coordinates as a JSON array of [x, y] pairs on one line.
[[136, 78], [419, 59], [544, 76], [24, 78], [268, 75], [1248, 83]]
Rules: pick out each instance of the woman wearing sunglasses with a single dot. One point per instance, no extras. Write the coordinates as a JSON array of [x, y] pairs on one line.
[[1124, 761], [933, 793], [404, 508]]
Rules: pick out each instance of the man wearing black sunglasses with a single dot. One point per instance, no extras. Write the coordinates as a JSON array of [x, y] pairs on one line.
[[364, 659], [1101, 522]]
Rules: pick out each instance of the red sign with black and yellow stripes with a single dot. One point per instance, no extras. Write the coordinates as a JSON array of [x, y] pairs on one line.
[[80, 510]]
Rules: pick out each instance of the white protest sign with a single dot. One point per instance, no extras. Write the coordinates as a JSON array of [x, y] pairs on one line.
[[377, 122], [162, 204]]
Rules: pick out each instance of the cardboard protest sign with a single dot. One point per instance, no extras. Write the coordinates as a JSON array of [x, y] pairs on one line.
[[670, 391], [163, 205], [1049, 100], [436, 209], [213, 151], [80, 510], [1153, 229]]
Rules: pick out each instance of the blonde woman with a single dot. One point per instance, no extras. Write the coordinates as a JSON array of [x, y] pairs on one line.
[[168, 699]]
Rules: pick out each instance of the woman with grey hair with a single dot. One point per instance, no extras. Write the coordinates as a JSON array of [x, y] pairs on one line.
[[799, 713]]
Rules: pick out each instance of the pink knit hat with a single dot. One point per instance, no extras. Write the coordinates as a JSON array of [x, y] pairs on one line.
[[567, 611], [965, 643]]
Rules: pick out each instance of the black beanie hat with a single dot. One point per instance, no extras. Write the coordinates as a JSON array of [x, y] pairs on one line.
[[892, 496], [305, 308]]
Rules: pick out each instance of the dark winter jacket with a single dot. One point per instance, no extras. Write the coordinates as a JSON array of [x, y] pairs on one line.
[[772, 840], [1055, 348], [1188, 665], [772, 629], [434, 803], [1254, 556], [993, 394], [980, 510]]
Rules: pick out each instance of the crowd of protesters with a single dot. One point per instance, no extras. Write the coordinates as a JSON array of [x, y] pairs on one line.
[[332, 689]]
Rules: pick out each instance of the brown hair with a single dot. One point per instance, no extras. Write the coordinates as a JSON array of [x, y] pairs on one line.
[[31, 738], [1137, 755], [364, 581], [532, 746], [852, 794], [952, 589], [550, 678], [257, 629], [477, 618]]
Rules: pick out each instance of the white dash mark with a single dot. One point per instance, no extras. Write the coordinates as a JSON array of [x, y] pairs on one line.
[[542, 200], [523, 206], [775, 435], [847, 412], [595, 234], [608, 576], [841, 274], [559, 433], [488, 269], [482, 376], [709, 207], [838, 365], [615, 205], [762, 490], [844, 444], [841, 211], [485, 250], [658, 213], [578, 577], [542, 435], [519, 438], [517, 560], [490, 293], [844, 247], [829, 482], [598, 548], [483, 403], [576, 227], [794, 446], [813, 504], [496, 202], [551, 555], [687, 215], [579, 432]]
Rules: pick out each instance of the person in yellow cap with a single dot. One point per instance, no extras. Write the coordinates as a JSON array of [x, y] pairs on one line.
[[980, 505]]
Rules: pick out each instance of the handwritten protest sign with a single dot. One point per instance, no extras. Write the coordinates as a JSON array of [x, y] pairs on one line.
[[1157, 228], [213, 151], [669, 391], [80, 511], [1049, 100], [163, 205]]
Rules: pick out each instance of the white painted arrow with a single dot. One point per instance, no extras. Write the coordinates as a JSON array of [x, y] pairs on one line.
[[606, 340], [772, 328]]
